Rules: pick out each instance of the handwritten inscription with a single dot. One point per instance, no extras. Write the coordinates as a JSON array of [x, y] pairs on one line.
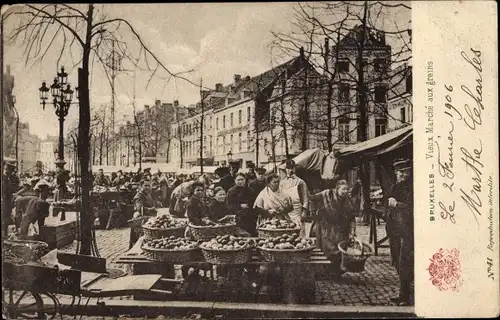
[[469, 193]]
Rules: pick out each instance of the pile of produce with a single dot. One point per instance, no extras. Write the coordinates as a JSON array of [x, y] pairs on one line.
[[228, 242], [171, 243], [164, 221], [226, 222], [23, 251], [285, 241], [275, 223]]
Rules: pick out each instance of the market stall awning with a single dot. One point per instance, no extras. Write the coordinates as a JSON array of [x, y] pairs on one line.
[[311, 159], [379, 145]]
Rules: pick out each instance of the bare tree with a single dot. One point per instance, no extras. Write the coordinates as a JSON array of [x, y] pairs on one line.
[[87, 28]]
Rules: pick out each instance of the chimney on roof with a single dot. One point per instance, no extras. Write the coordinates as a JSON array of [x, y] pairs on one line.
[[176, 103], [237, 79], [218, 87]]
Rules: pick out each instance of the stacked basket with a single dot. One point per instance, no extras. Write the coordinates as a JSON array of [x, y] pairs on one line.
[[216, 253], [153, 249], [156, 228], [204, 233]]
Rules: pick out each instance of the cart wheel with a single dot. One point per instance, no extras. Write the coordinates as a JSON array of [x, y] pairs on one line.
[[29, 305]]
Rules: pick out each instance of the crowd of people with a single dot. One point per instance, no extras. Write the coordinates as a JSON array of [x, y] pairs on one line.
[[250, 198]]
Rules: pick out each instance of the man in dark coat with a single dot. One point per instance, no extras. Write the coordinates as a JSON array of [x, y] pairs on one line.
[[226, 179], [8, 190], [260, 183], [400, 229]]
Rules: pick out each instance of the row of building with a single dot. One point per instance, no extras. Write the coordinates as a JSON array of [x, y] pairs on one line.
[[278, 113], [32, 152]]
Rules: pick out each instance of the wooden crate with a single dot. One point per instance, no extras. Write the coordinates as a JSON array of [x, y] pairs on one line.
[[58, 234]]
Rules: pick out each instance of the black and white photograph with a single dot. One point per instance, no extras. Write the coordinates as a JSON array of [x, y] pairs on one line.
[[207, 160]]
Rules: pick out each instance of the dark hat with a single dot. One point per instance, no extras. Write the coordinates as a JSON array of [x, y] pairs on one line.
[[402, 164], [251, 165], [234, 163], [147, 169], [260, 170], [290, 164]]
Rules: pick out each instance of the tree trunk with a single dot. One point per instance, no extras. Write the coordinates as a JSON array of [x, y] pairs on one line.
[[365, 171], [86, 216]]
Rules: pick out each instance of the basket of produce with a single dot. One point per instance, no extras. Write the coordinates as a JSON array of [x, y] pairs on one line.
[[286, 248], [277, 227], [22, 251], [212, 229], [172, 249], [163, 226], [227, 249], [354, 254]]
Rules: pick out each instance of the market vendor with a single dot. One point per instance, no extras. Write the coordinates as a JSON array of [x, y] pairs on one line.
[[240, 199], [37, 209], [196, 210], [400, 229], [101, 180], [143, 200], [179, 197], [272, 202], [297, 190], [335, 222]]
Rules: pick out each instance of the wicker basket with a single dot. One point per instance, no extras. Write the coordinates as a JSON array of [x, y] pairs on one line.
[[209, 232], [286, 255], [271, 233], [24, 250], [169, 255], [234, 256], [153, 233], [355, 263]]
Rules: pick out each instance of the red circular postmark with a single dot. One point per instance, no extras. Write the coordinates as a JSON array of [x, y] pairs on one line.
[[445, 269]]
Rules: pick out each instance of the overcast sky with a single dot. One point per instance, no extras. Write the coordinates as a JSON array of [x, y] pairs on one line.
[[216, 40]]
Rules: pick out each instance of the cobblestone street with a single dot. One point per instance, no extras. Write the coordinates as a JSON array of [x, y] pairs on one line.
[[375, 286]]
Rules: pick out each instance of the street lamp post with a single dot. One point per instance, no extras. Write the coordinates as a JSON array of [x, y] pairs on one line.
[[62, 95]]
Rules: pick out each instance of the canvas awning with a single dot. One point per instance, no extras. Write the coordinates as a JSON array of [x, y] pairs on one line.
[[311, 159], [377, 146], [349, 157]]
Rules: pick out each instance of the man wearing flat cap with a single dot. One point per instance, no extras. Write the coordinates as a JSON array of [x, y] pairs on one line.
[[260, 182], [400, 229], [297, 188], [32, 209], [226, 179]]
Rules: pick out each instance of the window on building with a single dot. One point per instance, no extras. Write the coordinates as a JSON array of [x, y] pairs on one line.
[[231, 141], [210, 122], [344, 130], [217, 123], [343, 66], [239, 116], [343, 93], [223, 144], [218, 146], [380, 126], [403, 114], [359, 136], [231, 124], [248, 114], [380, 94], [224, 122], [210, 149], [409, 83], [379, 65], [249, 140], [239, 142]]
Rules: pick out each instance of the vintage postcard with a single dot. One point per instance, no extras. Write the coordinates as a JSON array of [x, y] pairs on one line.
[[333, 159]]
